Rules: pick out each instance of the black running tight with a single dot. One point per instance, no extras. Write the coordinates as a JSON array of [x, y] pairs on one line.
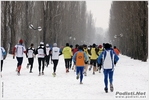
[[55, 62]]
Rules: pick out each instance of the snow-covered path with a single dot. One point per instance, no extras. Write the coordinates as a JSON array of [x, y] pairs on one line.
[[130, 76]]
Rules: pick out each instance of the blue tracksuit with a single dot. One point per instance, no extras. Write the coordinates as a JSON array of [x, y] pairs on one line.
[[108, 58], [80, 69]]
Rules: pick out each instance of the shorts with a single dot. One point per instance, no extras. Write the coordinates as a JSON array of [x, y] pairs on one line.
[[93, 62]]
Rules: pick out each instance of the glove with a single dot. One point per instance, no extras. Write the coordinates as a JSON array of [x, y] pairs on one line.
[[114, 63], [13, 56], [4, 57]]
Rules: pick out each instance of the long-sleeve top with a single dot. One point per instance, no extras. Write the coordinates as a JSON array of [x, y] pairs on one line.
[[79, 58], [108, 58], [18, 50], [2, 53], [41, 52]]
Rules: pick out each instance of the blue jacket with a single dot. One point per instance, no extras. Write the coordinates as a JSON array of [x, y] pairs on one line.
[[2, 53], [102, 57]]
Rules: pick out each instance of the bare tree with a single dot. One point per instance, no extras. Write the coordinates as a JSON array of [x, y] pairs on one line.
[[59, 21], [128, 28]]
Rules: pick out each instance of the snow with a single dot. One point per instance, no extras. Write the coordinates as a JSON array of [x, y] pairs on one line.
[[129, 76]]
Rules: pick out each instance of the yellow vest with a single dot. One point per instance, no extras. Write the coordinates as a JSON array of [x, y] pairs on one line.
[[94, 56], [86, 51], [100, 51]]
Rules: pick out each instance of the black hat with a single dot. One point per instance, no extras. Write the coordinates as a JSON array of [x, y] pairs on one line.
[[94, 45], [80, 47], [107, 46], [32, 44], [67, 44], [71, 46], [76, 45]]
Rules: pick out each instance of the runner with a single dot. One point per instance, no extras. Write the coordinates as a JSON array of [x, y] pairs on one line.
[[18, 51], [47, 57], [55, 57], [85, 49], [3, 56], [109, 59], [30, 54], [74, 51], [41, 51], [79, 58], [67, 52], [99, 52], [94, 56]]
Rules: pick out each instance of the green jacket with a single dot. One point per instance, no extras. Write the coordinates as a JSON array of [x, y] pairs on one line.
[[67, 52]]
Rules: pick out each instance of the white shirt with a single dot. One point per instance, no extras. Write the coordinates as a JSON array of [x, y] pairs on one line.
[[107, 61], [19, 50], [30, 52], [40, 51], [55, 53], [47, 50], [1, 53]]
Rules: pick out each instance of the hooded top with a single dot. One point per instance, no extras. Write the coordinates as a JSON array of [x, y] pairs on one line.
[[108, 58], [67, 52]]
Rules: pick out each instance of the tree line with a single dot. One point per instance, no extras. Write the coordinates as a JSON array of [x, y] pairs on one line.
[[69, 21], [61, 22], [128, 28]]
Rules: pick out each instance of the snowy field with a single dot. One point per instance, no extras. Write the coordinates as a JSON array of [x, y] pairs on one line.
[[130, 76]]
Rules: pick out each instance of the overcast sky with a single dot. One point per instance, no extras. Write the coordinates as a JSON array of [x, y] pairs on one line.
[[101, 11]]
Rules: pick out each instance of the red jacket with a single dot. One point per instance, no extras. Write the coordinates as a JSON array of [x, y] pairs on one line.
[[75, 50]]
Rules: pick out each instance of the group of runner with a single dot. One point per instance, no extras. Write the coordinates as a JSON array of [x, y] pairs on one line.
[[78, 58], [97, 56]]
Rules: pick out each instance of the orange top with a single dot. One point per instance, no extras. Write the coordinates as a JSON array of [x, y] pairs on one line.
[[80, 59], [116, 51]]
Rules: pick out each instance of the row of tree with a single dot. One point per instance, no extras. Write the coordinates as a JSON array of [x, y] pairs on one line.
[[61, 22], [128, 28], [69, 21]]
